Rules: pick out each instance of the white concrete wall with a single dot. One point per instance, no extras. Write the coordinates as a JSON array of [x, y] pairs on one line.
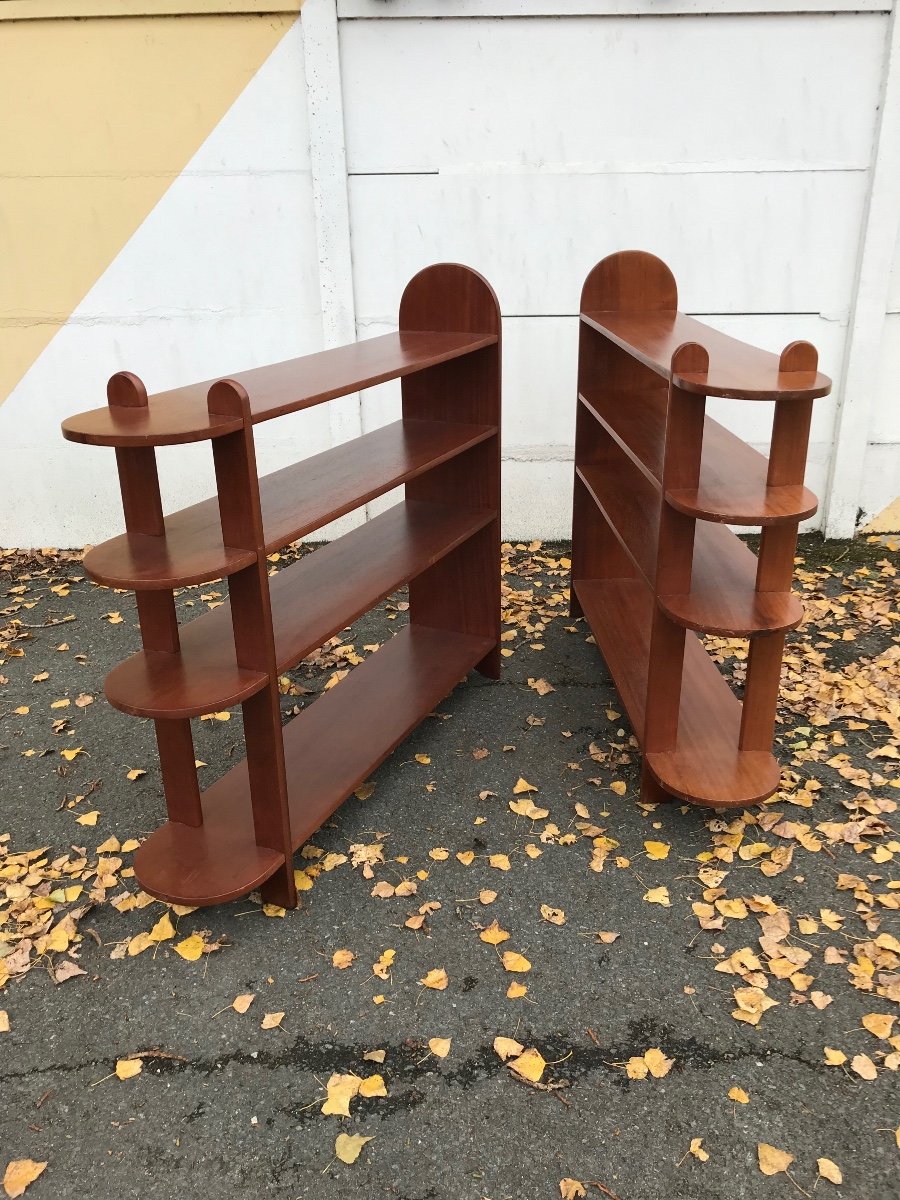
[[737, 140]]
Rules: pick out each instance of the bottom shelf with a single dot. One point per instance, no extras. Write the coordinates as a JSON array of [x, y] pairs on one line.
[[707, 767], [330, 749]]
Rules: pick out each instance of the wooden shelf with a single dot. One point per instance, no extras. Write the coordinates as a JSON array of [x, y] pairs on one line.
[[708, 767], [182, 416], [722, 599], [443, 540], [735, 369], [312, 600], [653, 560], [294, 500], [733, 487], [330, 749]]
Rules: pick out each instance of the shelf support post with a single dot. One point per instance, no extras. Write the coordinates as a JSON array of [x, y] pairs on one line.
[[681, 469], [237, 482], [142, 507], [462, 591], [777, 548]]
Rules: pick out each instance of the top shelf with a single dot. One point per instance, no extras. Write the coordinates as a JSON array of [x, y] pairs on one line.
[[736, 370], [172, 418]]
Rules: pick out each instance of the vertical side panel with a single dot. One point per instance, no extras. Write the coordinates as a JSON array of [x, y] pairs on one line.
[[462, 591]]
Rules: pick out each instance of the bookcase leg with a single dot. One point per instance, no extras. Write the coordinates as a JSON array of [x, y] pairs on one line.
[[652, 791], [761, 692], [142, 505], [664, 674], [234, 457]]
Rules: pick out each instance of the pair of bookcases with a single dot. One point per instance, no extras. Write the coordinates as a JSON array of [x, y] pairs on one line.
[[652, 561]]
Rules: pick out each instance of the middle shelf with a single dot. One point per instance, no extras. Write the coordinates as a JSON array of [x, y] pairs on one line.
[[733, 487], [722, 599], [294, 501], [312, 600]]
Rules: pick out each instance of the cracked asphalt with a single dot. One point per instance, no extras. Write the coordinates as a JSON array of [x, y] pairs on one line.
[[224, 1107]]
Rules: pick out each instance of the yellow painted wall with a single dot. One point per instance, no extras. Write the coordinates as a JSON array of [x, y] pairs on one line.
[[100, 116]]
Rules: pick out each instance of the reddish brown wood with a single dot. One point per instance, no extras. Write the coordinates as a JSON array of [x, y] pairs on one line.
[[330, 749], [234, 457], [662, 480], [735, 369], [708, 767], [312, 600], [143, 512], [761, 692], [722, 597], [733, 485], [461, 592], [295, 501], [443, 540], [182, 415]]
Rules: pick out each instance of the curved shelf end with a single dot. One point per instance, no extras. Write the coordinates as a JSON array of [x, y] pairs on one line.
[[747, 777], [733, 613]]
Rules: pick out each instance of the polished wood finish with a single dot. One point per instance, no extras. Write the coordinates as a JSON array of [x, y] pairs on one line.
[[330, 749], [443, 540], [705, 768], [182, 415], [295, 501], [653, 562], [733, 486], [312, 600], [735, 369]]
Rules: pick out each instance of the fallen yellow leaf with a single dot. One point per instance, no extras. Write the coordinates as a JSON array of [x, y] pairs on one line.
[[272, 1020], [19, 1174], [878, 1024], [657, 850], [658, 895], [127, 1068], [696, 1148], [494, 935], [436, 979], [342, 959], [530, 1065], [439, 1047], [772, 1161], [829, 1170], [163, 929], [191, 948], [347, 1146], [513, 961], [507, 1047], [241, 1003], [738, 1095], [522, 786], [373, 1086]]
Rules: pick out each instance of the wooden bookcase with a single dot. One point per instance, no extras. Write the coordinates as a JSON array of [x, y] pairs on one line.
[[657, 482], [443, 540]]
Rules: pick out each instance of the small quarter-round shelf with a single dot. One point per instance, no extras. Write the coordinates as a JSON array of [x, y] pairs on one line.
[[164, 686], [736, 505], [709, 609], [144, 562]]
